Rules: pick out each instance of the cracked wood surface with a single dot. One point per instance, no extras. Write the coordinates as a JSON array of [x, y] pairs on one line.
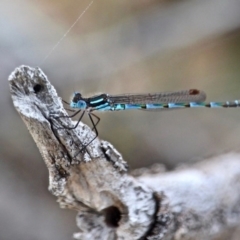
[[199, 202], [94, 181]]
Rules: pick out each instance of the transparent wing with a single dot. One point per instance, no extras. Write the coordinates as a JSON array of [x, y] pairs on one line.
[[192, 95]]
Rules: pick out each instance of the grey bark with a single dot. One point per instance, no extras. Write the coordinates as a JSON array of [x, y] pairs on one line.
[[196, 202]]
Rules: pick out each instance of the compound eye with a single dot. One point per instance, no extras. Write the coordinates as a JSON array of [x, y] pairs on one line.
[[77, 94], [82, 104], [76, 97]]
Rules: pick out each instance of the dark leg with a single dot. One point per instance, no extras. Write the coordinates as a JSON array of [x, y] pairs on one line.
[[65, 102], [97, 122], [73, 115], [93, 129], [71, 110], [94, 125], [80, 118]]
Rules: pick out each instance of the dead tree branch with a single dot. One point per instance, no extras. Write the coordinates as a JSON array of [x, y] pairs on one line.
[[199, 202]]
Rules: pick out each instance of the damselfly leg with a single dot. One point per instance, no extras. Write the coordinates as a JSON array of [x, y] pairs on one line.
[[94, 128], [70, 110], [91, 117]]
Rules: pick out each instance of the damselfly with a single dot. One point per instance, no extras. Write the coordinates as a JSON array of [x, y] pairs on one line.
[[192, 98]]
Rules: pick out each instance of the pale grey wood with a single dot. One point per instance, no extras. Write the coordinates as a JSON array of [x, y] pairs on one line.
[[196, 202], [205, 197], [90, 182]]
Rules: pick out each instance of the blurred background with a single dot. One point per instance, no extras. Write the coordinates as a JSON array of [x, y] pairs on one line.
[[116, 47]]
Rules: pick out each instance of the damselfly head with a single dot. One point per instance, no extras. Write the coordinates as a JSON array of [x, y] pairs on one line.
[[78, 101], [76, 97]]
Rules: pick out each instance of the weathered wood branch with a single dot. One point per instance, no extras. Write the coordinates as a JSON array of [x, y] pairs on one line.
[[199, 202]]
